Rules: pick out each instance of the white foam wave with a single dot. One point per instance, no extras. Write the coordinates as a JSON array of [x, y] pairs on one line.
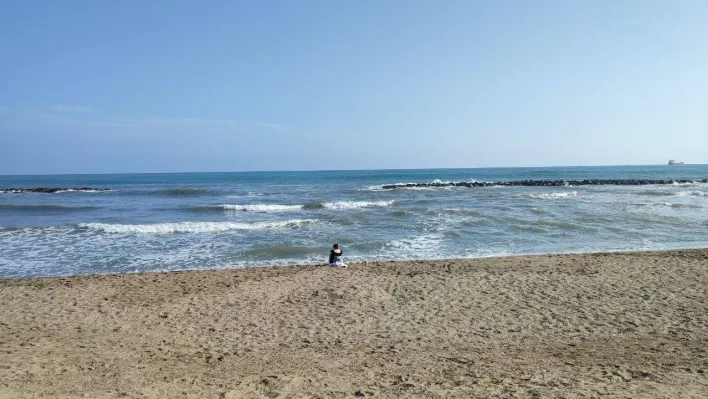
[[70, 190], [555, 195], [343, 205], [695, 193], [262, 207], [426, 246], [480, 181], [192, 227], [250, 194]]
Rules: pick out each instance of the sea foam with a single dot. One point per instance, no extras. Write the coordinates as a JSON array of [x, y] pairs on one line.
[[261, 207], [555, 195], [192, 227], [695, 193], [356, 204], [342, 205], [71, 190]]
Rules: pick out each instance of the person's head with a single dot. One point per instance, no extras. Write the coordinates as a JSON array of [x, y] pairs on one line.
[[335, 246]]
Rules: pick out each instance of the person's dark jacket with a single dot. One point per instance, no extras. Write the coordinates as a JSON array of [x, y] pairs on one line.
[[334, 256]]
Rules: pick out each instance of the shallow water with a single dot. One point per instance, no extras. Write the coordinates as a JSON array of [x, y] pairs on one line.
[[217, 220]]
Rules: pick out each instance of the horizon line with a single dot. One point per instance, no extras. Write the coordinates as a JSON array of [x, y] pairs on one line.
[[332, 170]]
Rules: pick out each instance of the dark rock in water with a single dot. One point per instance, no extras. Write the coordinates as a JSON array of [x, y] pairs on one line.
[[50, 190], [544, 183]]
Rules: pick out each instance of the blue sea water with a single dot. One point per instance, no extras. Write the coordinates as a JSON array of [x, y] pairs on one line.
[[230, 220]]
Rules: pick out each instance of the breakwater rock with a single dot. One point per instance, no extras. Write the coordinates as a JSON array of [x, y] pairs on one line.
[[50, 190], [545, 183]]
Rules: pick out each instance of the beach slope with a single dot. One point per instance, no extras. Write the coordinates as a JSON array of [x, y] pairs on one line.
[[623, 325]]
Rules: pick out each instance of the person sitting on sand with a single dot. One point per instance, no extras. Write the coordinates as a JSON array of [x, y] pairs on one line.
[[335, 256]]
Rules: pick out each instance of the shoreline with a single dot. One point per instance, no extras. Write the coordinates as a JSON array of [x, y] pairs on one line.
[[623, 324], [359, 263]]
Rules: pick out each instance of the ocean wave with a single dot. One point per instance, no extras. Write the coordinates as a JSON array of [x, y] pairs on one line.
[[343, 205], [72, 190], [250, 194], [314, 205], [43, 208], [192, 227], [401, 212], [568, 194], [261, 207], [245, 208], [695, 193], [563, 225], [664, 193], [668, 204], [525, 228], [657, 193], [425, 245]]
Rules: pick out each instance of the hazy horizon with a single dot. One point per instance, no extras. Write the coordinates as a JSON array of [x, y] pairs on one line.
[[339, 170], [175, 87]]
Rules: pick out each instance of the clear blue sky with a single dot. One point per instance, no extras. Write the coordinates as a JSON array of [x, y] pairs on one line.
[[157, 86]]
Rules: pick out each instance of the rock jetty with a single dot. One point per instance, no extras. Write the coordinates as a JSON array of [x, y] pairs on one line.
[[50, 190], [545, 183]]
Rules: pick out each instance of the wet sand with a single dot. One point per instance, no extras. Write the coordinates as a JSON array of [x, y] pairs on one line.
[[631, 325]]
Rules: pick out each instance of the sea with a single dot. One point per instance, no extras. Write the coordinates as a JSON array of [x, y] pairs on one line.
[[187, 221]]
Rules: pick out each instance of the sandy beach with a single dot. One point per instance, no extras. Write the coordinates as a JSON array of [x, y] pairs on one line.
[[630, 325]]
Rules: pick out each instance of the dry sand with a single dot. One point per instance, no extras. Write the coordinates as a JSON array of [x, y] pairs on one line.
[[621, 325]]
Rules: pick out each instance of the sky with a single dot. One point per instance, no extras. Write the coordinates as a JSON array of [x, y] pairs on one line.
[[176, 86]]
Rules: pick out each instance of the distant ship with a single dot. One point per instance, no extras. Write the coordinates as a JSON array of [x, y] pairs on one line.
[[672, 162]]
